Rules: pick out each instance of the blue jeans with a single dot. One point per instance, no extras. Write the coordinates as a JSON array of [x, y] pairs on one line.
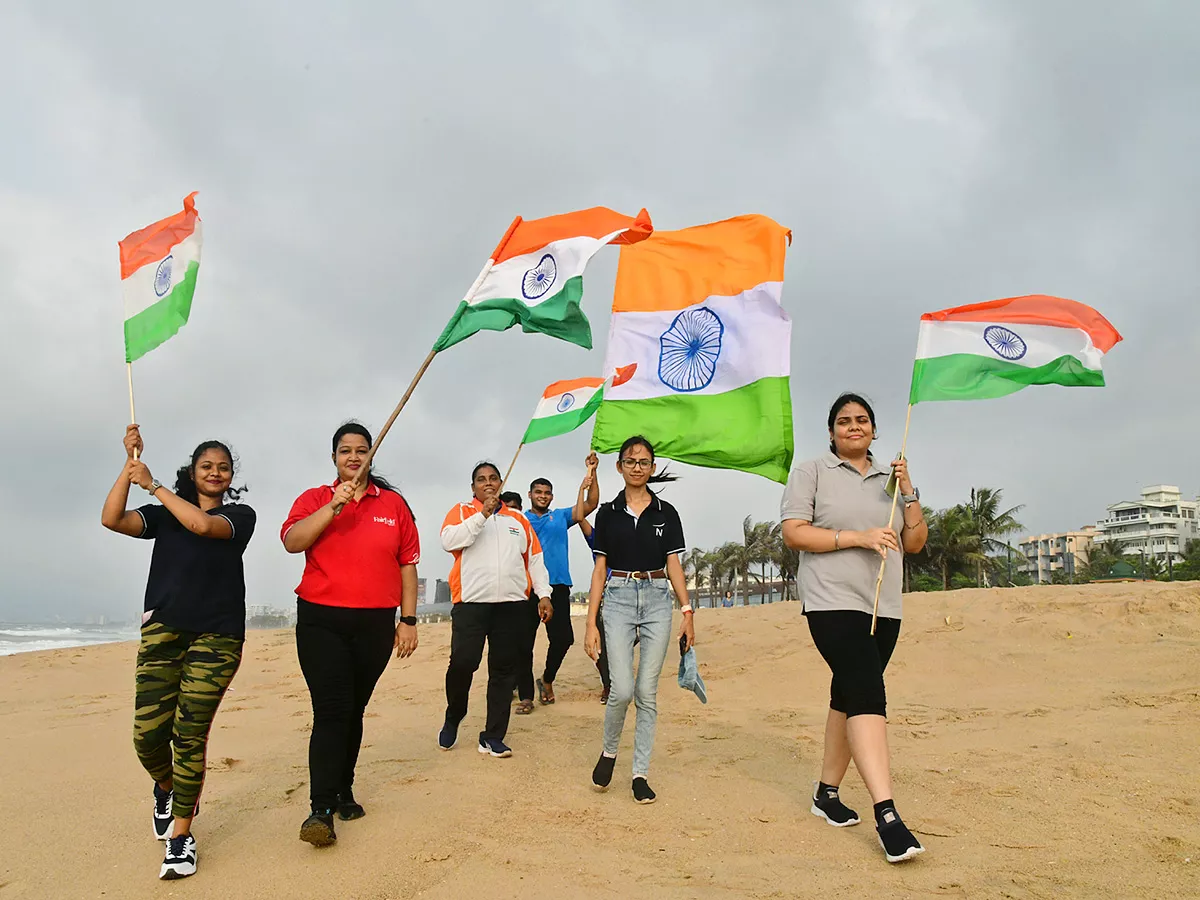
[[641, 610]]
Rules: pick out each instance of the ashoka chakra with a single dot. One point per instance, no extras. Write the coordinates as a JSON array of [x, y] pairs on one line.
[[162, 277], [689, 350], [1006, 343], [539, 279]]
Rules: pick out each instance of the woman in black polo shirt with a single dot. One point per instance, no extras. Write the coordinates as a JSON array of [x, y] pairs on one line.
[[637, 541], [192, 629]]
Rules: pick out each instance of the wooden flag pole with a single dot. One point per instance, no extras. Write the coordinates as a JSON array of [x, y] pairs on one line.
[[891, 516], [132, 410], [483, 273], [511, 466]]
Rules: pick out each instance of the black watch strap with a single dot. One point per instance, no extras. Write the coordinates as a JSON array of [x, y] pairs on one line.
[[407, 620]]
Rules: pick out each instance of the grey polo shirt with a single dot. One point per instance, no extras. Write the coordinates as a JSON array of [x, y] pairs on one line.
[[830, 493]]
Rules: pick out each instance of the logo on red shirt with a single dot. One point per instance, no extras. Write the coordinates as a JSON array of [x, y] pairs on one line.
[[384, 520]]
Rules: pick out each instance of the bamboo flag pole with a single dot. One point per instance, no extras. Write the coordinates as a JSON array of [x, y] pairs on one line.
[[891, 516], [132, 410], [511, 466], [483, 273]]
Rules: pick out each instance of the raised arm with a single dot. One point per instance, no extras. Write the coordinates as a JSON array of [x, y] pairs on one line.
[[301, 531], [459, 531], [114, 516], [589, 491], [190, 516]]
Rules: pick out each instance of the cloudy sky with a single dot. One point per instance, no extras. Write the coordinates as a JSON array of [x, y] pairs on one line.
[[357, 161]]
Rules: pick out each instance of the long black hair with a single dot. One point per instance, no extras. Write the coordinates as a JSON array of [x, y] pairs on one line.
[[841, 403], [185, 477], [639, 441], [353, 427]]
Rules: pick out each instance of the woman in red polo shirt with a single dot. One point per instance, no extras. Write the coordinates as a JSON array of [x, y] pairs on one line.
[[361, 552]]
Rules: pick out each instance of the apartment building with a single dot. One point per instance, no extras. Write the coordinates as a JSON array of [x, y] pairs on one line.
[[1160, 524], [1067, 552]]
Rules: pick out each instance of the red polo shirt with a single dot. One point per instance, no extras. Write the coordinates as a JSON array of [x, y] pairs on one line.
[[356, 561]]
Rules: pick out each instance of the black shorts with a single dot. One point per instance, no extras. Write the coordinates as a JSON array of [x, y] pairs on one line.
[[856, 657]]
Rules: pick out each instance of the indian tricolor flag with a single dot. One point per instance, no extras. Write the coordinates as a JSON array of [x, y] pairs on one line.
[[565, 405], [988, 350], [158, 277], [699, 311], [535, 276]]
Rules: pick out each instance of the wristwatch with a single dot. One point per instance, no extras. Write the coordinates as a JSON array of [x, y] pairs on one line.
[[913, 497], [154, 486], [407, 620]]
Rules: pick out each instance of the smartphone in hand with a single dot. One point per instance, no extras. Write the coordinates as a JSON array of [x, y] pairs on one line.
[[683, 645]]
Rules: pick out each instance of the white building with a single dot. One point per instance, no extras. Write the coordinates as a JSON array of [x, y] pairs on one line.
[[1067, 552], [1160, 524]]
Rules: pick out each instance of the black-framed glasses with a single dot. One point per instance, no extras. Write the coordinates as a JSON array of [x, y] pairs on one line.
[[637, 463]]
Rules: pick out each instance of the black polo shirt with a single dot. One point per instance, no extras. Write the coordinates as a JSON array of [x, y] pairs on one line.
[[196, 583], [641, 544]]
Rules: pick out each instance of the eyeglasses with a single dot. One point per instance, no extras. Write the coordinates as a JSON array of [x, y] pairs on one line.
[[637, 463]]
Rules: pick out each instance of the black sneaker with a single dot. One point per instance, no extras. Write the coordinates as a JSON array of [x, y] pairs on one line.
[[642, 792], [830, 807], [602, 774], [318, 828], [348, 808], [448, 736], [494, 747], [163, 818], [897, 841], [180, 861]]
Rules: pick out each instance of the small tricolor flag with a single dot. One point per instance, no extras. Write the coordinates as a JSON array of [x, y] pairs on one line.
[[158, 275], [535, 276], [989, 350], [565, 405]]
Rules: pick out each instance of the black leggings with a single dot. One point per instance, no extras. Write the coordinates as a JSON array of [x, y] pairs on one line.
[[342, 652], [857, 658]]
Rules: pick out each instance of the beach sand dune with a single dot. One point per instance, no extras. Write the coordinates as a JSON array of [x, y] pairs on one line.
[[1046, 744]]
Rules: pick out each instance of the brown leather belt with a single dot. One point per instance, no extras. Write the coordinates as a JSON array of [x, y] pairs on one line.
[[639, 576]]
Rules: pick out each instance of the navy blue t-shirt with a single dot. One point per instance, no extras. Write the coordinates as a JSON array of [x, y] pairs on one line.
[[197, 583]]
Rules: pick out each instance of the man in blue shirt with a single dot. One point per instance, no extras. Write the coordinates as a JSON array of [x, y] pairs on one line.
[[552, 527]]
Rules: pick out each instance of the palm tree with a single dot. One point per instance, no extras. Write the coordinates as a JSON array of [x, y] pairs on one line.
[[735, 561], [756, 539], [693, 569], [953, 543], [989, 524], [786, 561]]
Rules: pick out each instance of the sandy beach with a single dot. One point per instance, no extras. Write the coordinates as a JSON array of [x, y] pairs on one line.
[[1044, 745]]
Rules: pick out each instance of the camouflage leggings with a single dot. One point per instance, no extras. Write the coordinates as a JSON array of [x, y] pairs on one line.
[[181, 678]]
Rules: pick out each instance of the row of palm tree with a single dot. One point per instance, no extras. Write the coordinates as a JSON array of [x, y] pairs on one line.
[[966, 541]]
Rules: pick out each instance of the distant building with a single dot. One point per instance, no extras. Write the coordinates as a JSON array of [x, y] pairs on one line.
[[441, 592], [420, 591], [1160, 524], [1067, 552]]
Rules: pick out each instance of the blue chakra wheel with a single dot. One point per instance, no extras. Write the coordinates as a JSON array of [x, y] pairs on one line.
[[689, 350], [162, 277], [1006, 343], [565, 402], [540, 278]]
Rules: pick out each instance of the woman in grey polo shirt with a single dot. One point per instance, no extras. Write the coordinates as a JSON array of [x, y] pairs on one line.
[[833, 509]]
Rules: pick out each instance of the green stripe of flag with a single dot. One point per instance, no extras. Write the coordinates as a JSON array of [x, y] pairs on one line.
[[161, 321], [559, 317], [966, 376], [553, 426], [749, 428]]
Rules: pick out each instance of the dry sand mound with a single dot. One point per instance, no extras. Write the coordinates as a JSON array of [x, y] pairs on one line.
[[1044, 744]]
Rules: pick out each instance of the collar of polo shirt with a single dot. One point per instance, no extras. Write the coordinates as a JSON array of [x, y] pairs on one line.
[[833, 461], [619, 502], [372, 488]]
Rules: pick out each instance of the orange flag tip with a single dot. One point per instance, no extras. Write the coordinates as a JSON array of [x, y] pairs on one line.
[[189, 202], [624, 373]]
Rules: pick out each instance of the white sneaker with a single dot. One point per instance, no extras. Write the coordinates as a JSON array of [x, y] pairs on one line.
[[180, 861], [163, 818]]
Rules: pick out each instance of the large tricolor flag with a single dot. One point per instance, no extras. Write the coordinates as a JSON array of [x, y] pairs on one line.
[[565, 405], [988, 350], [535, 276], [699, 311], [158, 276]]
